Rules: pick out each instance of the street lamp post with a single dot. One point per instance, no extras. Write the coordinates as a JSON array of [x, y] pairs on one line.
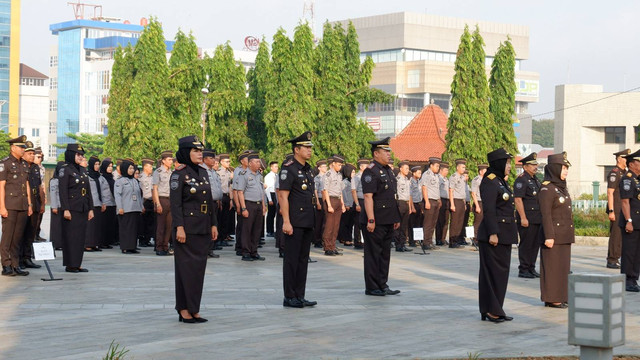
[[205, 92]]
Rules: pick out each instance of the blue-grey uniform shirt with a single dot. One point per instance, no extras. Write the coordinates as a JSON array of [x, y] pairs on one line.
[[128, 195], [319, 184], [347, 196], [107, 195], [431, 181], [54, 193], [416, 190], [444, 187], [236, 176], [467, 192], [356, 184], [215, 182], [94, 193], [251, 184]]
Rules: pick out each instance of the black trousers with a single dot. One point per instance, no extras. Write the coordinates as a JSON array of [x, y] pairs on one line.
[[345, 231], [415, 220], [148, 221], [318, 229], [190, 259], [467, 214], [55, 229], [296, 262], [29, 235], [238, 238], [271, 213], [251, 228], [12, 231], [278, 230], [630, 264], [128, 226], [357, 227], [377, 256], [73, 233], [225, 218], [530, 240], [443, 221], [493, 277], [615, 241], [402, 232]]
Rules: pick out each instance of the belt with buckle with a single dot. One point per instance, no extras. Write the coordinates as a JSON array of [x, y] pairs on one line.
[[204, 208], [84, 191], [254, 202]]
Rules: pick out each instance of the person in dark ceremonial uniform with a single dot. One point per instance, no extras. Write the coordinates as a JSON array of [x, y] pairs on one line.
[[251, 198], [279, 235], [296, 198], [629, 222], [55, 223], [15, 206], [161, 194], [95, 227], [37, 205], [497, 233], [382, 218], [195, 226], [148, 230], [38, 161], [613, 208], [559, 234], [109, 217], [526, 190], [128, 198], [76, 205]]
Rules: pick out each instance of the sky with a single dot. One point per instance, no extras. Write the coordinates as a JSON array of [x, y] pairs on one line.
[[570, 42]]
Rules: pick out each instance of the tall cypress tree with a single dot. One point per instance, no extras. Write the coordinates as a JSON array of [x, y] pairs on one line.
[[259, 79], [122, 74], [186, 80], [146, 133], [503, 97], [228, 105]]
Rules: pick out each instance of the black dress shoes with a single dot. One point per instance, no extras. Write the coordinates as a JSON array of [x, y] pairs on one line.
[[630, 288], [306, 302], [257, 257], [162, 253], [292, 302], [336, 252], [187, 321], [526, 275], [75, 270], [213, 255], [455, 246], [330, 253], [30, 264], [20, 272], [247, 258], [8, 271], [535, 273], [497, 319], [200, 319], [238, 253], [613, 266], [376, 292], [506, 318], [281, 254], [388, 291], [403, 249], [557, 306]]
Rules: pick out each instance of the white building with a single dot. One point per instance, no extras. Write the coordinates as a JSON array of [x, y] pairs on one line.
[[591, 126], [34, 107]]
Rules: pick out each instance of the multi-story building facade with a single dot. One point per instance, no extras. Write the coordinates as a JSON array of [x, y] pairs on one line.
[[9, 65], [415, 55], [34, 107]]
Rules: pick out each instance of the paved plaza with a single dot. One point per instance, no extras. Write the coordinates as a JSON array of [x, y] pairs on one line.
[[130, 299]]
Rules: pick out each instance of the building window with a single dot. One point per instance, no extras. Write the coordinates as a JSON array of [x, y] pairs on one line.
[[20, 131], [52, 151], [52, 128], [636, 134], [413, 79], [53, 61], [35, 132], [53, 105], [53, 83], [614, 134]]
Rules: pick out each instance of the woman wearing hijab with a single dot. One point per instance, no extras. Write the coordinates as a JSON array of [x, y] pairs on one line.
[[77, 207], [496, 234], [55, 225], [94, 228], [195, 224], [128, 196], [557, 222], [109, 226], [345, 232]]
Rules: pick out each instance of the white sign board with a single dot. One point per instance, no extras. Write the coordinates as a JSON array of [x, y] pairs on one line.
[[418, 235], [43, 251], [469, 231]]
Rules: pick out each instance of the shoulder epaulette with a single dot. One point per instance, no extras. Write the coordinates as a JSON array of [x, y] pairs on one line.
[[546, 182], [615, 169], [5, 159], [371, 165], [288, 163], [242, 172], [491, 176], [181, 166], [629, 174]]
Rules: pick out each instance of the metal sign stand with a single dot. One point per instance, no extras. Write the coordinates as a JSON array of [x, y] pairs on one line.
[[51, 278]]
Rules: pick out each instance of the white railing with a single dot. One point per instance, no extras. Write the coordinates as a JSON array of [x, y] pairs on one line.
[[585, 205]]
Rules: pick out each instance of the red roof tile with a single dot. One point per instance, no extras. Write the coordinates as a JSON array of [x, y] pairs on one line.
[[29, 72], [423, 137]]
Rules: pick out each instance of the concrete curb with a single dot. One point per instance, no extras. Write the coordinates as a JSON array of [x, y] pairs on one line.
[[592, 241]]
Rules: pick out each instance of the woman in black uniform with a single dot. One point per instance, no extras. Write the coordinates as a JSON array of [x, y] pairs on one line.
[[94, 227], [194, 222], [496, 234], [77, 207], [557, 222], [55, 225], [109, 220]]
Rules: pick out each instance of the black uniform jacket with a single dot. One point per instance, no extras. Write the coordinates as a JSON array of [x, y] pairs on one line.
[[35, 181], [499, 211], [75, 192], [527, 187], [557, 218], [381, 182], [630, 189], [15, 172], [299, 181], [191, 201]]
